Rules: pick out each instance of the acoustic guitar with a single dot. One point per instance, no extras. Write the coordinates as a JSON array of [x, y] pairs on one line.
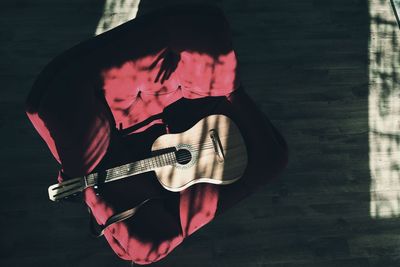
[[212, 151]]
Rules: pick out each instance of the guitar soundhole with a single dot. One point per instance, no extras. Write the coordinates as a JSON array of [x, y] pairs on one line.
[[183, 156]]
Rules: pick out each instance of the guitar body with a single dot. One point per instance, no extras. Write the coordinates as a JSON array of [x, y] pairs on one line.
[[212, 151]]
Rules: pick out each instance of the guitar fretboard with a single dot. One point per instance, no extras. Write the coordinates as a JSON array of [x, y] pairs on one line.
[[133, 168]]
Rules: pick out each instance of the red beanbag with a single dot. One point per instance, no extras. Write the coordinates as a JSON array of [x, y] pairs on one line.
[[103, 103]]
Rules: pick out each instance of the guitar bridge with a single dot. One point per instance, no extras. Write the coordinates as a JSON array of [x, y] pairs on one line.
[[218, 149]]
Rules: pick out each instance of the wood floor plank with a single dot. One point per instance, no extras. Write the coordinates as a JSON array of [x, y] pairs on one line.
[[310, 65]]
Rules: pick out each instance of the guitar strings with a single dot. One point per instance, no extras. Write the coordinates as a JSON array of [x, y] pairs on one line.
[[197, 147], [74, 184], [125, 169], [186, 157]]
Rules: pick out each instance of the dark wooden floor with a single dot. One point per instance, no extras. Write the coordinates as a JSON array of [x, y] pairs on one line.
[[318, 68]]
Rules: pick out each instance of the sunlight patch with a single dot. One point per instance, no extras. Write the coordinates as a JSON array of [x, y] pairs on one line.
[[115, 13], [384, 111]]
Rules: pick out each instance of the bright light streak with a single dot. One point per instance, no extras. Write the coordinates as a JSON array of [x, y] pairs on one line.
[[117, 12], [384, 111]]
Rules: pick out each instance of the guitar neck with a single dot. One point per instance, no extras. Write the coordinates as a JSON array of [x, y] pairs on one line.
[[130, 169], [75, 185]]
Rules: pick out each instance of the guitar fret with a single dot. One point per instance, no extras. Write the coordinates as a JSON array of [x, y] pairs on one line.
[[168, 158], [134, 167]]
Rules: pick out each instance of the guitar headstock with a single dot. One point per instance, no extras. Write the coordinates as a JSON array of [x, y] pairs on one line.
[[66, 189]]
